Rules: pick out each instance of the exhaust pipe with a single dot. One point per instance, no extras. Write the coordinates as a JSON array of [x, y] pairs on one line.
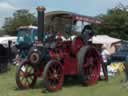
[[41, 13]]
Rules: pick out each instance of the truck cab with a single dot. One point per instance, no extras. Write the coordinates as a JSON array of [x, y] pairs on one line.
[[26, 36]]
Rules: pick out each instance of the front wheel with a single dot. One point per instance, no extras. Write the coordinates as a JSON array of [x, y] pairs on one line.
[[53, 75], [25, 75]]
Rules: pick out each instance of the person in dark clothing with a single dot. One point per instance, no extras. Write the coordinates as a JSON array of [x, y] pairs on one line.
[[3, 58], [125, 82], [126, 68], [87, 33]]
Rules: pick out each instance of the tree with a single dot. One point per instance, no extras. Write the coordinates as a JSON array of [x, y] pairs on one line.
[[20, 18], [1, 32], [115, 23]]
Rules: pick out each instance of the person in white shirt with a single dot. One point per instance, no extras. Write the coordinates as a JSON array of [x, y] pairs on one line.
[[105, 56]]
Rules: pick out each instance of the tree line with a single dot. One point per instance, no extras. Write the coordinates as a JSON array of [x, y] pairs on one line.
[[20, 18], [115, 23]]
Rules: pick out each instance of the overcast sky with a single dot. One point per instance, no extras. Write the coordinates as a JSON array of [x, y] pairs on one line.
[[86, 7]]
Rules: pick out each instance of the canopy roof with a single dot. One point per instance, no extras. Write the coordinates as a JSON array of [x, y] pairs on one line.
[[27, 27], [71, 15]]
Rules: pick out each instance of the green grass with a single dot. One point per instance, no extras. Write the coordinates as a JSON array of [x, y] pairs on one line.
[[70, 88]]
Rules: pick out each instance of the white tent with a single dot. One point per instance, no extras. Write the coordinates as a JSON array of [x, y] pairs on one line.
[[104, 39], [4, 40]]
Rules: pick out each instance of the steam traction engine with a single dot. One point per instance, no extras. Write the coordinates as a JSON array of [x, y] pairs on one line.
[[55, 59]]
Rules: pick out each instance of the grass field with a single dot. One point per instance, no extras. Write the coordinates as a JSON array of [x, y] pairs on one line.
[[70, 88]]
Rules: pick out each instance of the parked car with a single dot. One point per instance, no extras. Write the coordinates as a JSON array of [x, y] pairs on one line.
[[121, 53]]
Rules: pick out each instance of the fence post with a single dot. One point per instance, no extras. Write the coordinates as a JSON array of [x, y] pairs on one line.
[[9, 51]]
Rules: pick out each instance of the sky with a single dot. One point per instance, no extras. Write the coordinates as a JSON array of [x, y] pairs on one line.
[[85, 7]]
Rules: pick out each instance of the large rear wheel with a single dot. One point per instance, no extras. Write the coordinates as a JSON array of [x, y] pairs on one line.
[[25, 75], [89, 65], [53, 76]]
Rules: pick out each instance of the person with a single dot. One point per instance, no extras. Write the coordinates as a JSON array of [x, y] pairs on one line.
[[126, 68], [125, 82], [105, 54], [87, 33], [105, 57]]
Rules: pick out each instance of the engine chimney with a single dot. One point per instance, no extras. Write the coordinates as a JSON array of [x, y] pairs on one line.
[[41, 12]]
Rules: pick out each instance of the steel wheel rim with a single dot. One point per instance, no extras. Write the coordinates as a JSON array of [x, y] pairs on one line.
[[55, 76], [27, 75], [91, 66]]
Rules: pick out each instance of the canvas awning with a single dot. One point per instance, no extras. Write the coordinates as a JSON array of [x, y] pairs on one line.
[[104, 39]]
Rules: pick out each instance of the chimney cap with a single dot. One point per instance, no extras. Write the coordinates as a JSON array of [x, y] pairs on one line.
[[40, 8]]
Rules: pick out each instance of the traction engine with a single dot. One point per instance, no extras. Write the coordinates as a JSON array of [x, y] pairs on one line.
[[54, 59]]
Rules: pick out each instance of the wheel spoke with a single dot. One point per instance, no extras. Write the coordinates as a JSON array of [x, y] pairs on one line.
[[59, 70], [52, 69], [50, 72], [22, 78], [29, 75], [32, 77], [30, 69], [21, 73], [28, 81], [25, 82], [51, 77]]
